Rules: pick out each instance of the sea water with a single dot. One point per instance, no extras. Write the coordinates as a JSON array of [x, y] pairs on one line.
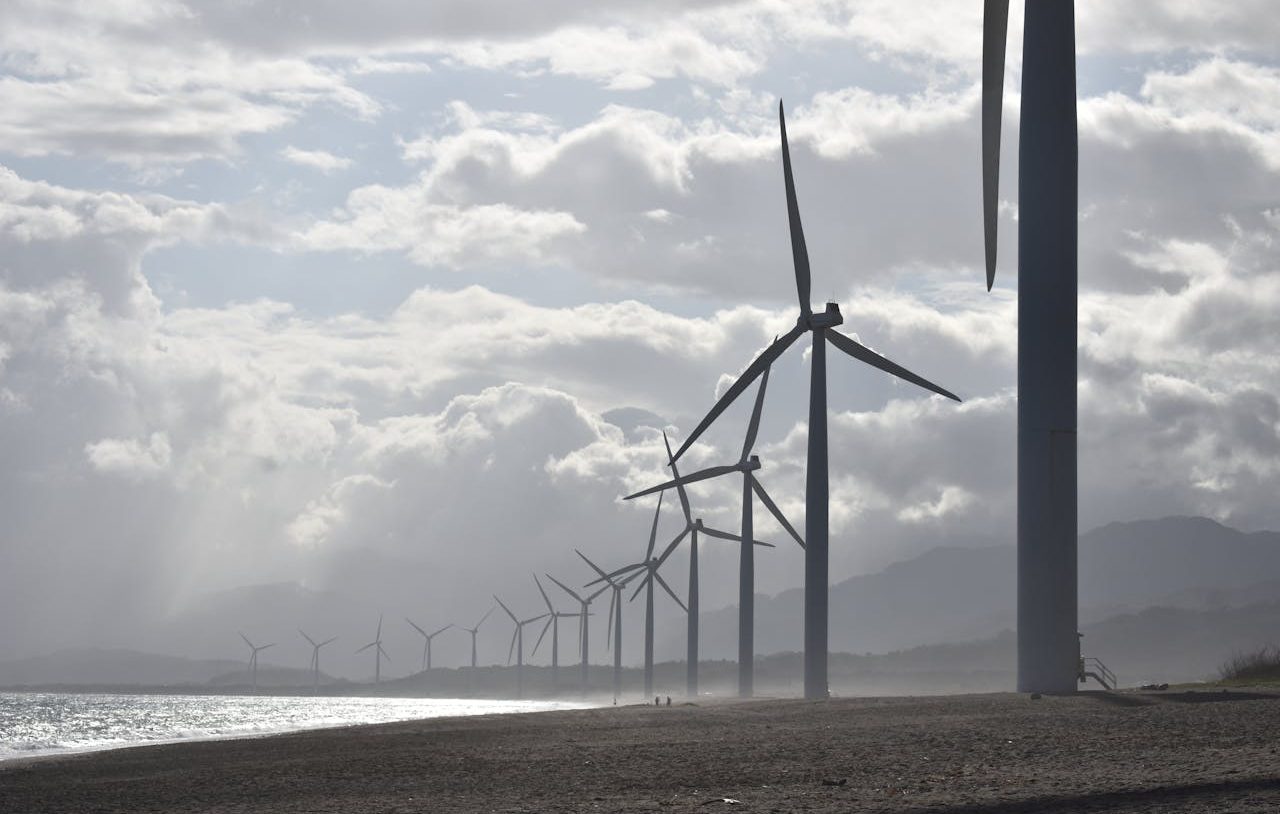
[[37, 724]]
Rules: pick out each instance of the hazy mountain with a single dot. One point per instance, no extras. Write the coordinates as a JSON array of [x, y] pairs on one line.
[[113, 667]]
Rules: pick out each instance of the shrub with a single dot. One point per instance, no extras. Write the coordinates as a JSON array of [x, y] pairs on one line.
[[1262, 664]]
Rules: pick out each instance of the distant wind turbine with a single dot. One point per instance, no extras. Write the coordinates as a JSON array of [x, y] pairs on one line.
[[747, 465], [553, 622], [517, 643], [584, 605], [817, 497], [614, 622], [474, 630], [378, 653], [315, 658], [426, 646], [253, 657]]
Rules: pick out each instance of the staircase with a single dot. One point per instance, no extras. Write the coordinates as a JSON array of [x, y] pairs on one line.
[[1092, 667]]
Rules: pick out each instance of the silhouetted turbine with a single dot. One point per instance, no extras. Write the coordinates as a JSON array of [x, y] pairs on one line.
[[474, 630], [253, 657], [378, 653], [614, 625], [553, 622], [517, 642], [426, 645], [1048, 648], [747, 465], [584, 605], [315, 658], [821, 326]]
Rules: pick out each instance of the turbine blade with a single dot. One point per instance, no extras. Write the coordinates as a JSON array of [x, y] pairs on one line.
[[624, 569], [383, 652], [486, 616], [593, 566], [995, 29], [326, 641], [672, 545], [246, 639], [874, 359], [512, 648], [310, 641], [441, 630], [565, 588], [599, 591], [754, 427], [640, 587], [366, 647], [799, 254], [757, 367], [415, 626], [653, 532], [774, 510], [379, 636], [703, 474], [265, 646], [684, 497], [550, 621], [545, 598], [608, 638], [667, 587], [505, 608], [723, 535]]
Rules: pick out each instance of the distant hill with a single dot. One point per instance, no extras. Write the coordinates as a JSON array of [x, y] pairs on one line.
[[957, 594], [112, 667]]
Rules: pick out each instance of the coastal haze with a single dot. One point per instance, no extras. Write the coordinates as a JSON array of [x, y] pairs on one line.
[[309, 316]]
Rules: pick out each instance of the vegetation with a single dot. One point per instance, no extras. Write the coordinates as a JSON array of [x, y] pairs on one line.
[[1258, 666]]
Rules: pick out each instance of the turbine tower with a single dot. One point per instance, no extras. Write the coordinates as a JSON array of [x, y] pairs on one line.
[[747, 465], [614, 623], [474, 630], [428, 637], [517, 642], [315, 658], [553, 622], [584, 606], [1048, 647], [253, 657], [822, 327], [378, 653], [691, 529]]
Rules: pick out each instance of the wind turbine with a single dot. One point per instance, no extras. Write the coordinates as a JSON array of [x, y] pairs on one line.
[[253, 657], [1048, 648], [315, 658], [426, 647], [378, 653], [553, 622], [649, 568], [585, 614], [822, 327], [615, 619], [517, 642], [747, 465], [473, 631], [691, 528]]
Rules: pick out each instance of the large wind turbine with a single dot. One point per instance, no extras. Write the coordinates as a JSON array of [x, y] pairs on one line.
[[1048, 647], [649, 568], [822, 327], [473, 631], [428, 637], [614, 623], [378, 653], [315, 658], [517, 642], [584, 607], [691, 528], [553, 622], [253, 657], [747, 465]]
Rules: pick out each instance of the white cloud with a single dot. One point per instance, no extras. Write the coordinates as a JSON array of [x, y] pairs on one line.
[[131, 456], [315, 159]]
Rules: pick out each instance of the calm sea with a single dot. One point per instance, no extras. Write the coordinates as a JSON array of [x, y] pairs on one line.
[[35, 724]]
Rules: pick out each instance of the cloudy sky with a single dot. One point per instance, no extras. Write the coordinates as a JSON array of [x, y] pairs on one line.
[[281, 281]]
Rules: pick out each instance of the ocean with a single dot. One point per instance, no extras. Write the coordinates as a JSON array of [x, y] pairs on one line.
[[42, 723]]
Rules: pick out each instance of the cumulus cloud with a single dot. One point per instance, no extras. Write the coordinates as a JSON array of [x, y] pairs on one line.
[[315, 159]]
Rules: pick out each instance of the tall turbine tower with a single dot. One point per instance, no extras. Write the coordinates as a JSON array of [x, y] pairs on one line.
[[614, 624], [1048, 647], [315, 658], [427, 639], [517, 643], [378, 653], [253, 658], [553, 622], [475, 630], [822, 327], [584, 641]]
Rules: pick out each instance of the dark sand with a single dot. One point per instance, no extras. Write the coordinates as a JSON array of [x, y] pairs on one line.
[[1202, 751]]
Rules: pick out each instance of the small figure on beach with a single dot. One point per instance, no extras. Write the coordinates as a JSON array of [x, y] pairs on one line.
[[657, 699], [668, 700]]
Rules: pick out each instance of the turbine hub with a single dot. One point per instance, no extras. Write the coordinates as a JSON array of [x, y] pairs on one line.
[[827, 319], [751, 464]]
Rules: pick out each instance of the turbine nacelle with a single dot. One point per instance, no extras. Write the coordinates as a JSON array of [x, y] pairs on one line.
[[829, 318]]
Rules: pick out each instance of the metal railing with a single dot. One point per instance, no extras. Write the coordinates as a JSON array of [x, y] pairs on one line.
[[1092, 667]]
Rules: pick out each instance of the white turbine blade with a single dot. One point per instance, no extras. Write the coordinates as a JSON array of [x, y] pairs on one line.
[[799, 254], [415, 626], [505, 608], [545, 598], [756, 368], [704, 474], [874, 359], [754, 427], [667, 587], [774, 510], [565, 588], [684, 496], [995, 30]]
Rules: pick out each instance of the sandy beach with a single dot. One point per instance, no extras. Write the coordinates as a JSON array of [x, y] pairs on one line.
[[1150, 752]]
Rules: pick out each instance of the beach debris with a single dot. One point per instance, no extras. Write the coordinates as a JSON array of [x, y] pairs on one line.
[[839, 782], [728, 801], [1035, 696]]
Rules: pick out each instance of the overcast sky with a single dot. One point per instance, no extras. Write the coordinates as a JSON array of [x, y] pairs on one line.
[[282, 280]]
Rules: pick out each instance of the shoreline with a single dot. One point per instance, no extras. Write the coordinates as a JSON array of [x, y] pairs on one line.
[[1131, 751]]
